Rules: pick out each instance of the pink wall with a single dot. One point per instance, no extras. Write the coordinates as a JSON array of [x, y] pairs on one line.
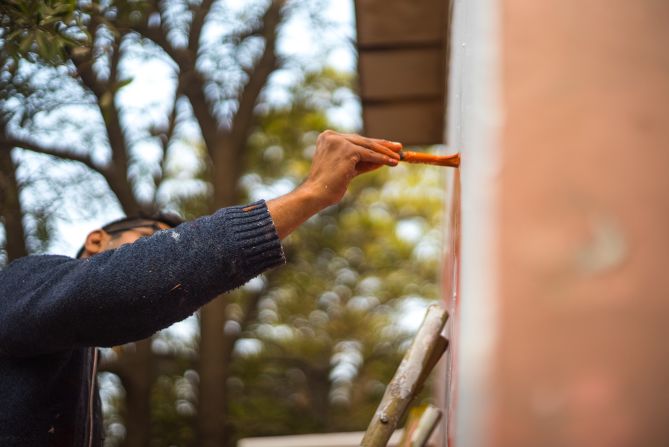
[[582, 358]]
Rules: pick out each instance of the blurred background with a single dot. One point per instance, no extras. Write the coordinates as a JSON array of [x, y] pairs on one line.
[[118, 107]]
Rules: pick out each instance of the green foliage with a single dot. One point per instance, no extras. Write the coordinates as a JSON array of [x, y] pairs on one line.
[[326, 338], [173, 410], [40, 29]]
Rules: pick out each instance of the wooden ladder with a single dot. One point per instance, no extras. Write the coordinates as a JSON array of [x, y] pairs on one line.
[[427, 348]]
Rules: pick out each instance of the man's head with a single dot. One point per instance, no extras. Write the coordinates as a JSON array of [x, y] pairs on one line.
[[126, 231]]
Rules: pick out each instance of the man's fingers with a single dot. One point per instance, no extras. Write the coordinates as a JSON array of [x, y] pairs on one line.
[[392, 145], [370, 156], [387, 148]]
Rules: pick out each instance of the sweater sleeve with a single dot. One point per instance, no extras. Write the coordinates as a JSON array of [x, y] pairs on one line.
[[50, 303]]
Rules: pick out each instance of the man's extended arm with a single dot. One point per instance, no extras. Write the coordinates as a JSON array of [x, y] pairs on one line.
[[51, 303]]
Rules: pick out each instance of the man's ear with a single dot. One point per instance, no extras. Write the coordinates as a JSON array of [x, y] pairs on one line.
[[96, 242]]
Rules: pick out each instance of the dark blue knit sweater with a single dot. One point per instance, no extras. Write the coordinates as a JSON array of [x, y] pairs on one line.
[[54, 309]]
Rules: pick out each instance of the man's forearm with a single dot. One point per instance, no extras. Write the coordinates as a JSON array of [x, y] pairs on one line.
[[293, 209]]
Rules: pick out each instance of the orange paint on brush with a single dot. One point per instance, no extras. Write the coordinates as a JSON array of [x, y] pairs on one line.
[[439, 160]]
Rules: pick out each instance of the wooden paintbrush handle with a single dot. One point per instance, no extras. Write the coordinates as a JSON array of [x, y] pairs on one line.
[[439, 160]]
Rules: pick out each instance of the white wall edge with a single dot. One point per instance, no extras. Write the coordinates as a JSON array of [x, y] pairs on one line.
[[474, 123]]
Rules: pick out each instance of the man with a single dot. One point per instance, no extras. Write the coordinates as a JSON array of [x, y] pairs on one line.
[[132, 281]]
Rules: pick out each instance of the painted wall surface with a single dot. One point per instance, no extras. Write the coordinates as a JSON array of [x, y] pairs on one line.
[[582, 358], [446, 373], [469, 275]]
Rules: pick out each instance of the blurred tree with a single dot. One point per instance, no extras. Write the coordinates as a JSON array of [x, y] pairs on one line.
[[218, 82], [316, 333], [323, 340], [39, 29], [10, 206], [326, 338]]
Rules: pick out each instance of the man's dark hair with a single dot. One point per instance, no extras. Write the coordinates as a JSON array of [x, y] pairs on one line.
[[129, 222]]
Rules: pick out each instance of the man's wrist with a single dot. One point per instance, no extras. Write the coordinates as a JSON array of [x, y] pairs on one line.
[[291, 210], [312, 196]]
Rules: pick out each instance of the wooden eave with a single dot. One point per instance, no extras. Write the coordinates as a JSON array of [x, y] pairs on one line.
[[402, 68]]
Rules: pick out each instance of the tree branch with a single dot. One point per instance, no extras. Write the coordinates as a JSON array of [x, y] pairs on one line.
[[263, 68], [82, 58], [116, 173], [158, 35], [11, 211], [190, 83], [200, 14], [54, 152], [165, 140], [114, 60]]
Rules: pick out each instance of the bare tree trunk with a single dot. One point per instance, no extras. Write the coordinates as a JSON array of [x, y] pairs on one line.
[[227, 169], [11, 212], [213, 370], [226, 150], [136, 369], [318, 380], [215, 344], [138, 396]]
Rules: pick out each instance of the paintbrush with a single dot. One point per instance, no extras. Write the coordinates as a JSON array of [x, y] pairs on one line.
[[430, 159]]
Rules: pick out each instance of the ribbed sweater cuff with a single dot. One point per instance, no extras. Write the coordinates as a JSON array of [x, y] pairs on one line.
[[256, 233]]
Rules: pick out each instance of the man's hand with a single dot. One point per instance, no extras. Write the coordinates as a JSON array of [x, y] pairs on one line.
[[340, 157], [337, 160]]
